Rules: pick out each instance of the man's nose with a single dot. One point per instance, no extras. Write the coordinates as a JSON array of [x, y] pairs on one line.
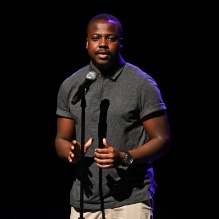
[[103, 42]]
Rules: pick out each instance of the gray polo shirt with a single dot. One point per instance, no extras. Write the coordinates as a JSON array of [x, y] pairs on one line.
[[114, 108]]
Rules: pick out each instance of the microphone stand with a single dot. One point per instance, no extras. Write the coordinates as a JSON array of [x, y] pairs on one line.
[[83, 105]]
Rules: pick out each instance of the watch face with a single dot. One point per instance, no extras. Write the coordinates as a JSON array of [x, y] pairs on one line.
[[128, 158]]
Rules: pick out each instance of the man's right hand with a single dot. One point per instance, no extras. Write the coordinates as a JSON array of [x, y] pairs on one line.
[[75, 150]]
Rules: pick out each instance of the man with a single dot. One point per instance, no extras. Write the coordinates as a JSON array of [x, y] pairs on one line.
[[125, 130]]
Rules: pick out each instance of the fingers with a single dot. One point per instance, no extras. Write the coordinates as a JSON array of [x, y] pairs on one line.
[[70, 153], [104, 166], [104, 156], [102, 160], [107, 157], [105, 143], [88, 144], [74, 153]]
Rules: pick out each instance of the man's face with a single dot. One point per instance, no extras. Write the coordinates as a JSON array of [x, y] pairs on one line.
[[103, 43]]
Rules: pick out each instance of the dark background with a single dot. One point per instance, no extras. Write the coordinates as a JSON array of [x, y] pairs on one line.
[[43, 43]]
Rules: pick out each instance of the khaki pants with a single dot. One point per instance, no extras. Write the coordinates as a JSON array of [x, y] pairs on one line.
[[135, 211]]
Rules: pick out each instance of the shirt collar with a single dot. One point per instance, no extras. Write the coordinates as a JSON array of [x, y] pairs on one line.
[[114, 74]]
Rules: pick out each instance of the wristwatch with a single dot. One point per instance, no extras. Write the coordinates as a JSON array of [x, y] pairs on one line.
[[128, 159]]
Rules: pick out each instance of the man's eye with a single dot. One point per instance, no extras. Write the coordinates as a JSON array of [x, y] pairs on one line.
[[95, 38], [112, 39]]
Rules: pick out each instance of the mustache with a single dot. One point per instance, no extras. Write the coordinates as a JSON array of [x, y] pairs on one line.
[[103, 51]]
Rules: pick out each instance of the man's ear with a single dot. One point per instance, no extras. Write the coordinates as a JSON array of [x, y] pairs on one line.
[[121, 42], [86, 43]]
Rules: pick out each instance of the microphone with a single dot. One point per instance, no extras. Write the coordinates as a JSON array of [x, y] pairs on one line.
[[91, 76]]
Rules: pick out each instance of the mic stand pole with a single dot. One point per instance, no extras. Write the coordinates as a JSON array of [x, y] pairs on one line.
[[83, 105]]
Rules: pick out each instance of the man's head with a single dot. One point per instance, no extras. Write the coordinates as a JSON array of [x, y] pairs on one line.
[[104, 37]]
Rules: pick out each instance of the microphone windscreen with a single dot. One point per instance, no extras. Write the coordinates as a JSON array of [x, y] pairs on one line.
[[91, 76]]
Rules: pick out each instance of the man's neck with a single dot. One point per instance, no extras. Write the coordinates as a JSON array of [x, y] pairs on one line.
[[111, 70]]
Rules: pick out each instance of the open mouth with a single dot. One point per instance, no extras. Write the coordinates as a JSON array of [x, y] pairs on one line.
[[102, 55]]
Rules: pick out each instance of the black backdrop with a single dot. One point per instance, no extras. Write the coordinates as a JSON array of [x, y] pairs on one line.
[[43, 43]]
